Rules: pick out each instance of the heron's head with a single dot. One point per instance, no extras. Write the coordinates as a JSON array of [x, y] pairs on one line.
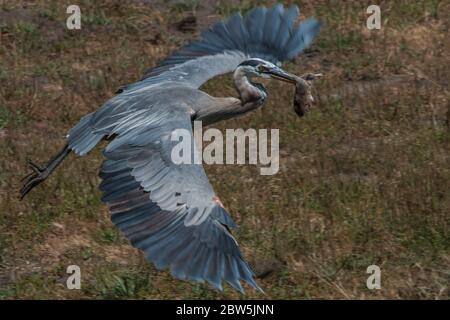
[[259, 68]]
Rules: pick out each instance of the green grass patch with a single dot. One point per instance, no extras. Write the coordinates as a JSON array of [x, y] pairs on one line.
[[123, 285], [109, 235]]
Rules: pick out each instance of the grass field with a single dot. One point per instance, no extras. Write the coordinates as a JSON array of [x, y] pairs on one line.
[[364, 177]]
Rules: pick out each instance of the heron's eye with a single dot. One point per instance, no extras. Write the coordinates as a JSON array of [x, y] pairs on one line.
[[261, 68]]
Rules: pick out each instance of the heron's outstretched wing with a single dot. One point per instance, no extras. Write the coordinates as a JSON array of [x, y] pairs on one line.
[[169, 210], [266, 33]]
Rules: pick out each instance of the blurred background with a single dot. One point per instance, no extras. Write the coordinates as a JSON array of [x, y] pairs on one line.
[[364, 177]]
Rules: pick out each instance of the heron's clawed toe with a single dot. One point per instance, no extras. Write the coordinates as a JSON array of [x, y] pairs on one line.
[[36, 168], [34, 178]]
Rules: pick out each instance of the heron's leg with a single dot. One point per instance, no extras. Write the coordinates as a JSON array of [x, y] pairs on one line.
[[39, 173]]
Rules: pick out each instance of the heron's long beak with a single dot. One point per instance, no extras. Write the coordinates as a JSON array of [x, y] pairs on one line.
[[282, 75]]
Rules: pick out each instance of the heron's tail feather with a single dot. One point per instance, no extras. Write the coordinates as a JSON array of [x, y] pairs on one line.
[[81, 138]]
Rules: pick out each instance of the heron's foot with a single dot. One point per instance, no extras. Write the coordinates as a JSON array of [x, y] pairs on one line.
[[33, 179]]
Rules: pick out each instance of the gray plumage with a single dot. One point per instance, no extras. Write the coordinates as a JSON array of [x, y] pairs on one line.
[[170, 211]]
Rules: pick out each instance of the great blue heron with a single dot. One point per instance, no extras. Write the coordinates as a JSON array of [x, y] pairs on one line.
[[168, 210]]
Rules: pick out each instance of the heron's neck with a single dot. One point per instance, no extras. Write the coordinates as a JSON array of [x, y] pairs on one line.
[[249, 92]]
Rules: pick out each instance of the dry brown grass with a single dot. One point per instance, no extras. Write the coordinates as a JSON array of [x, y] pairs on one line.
[[364, 178]]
